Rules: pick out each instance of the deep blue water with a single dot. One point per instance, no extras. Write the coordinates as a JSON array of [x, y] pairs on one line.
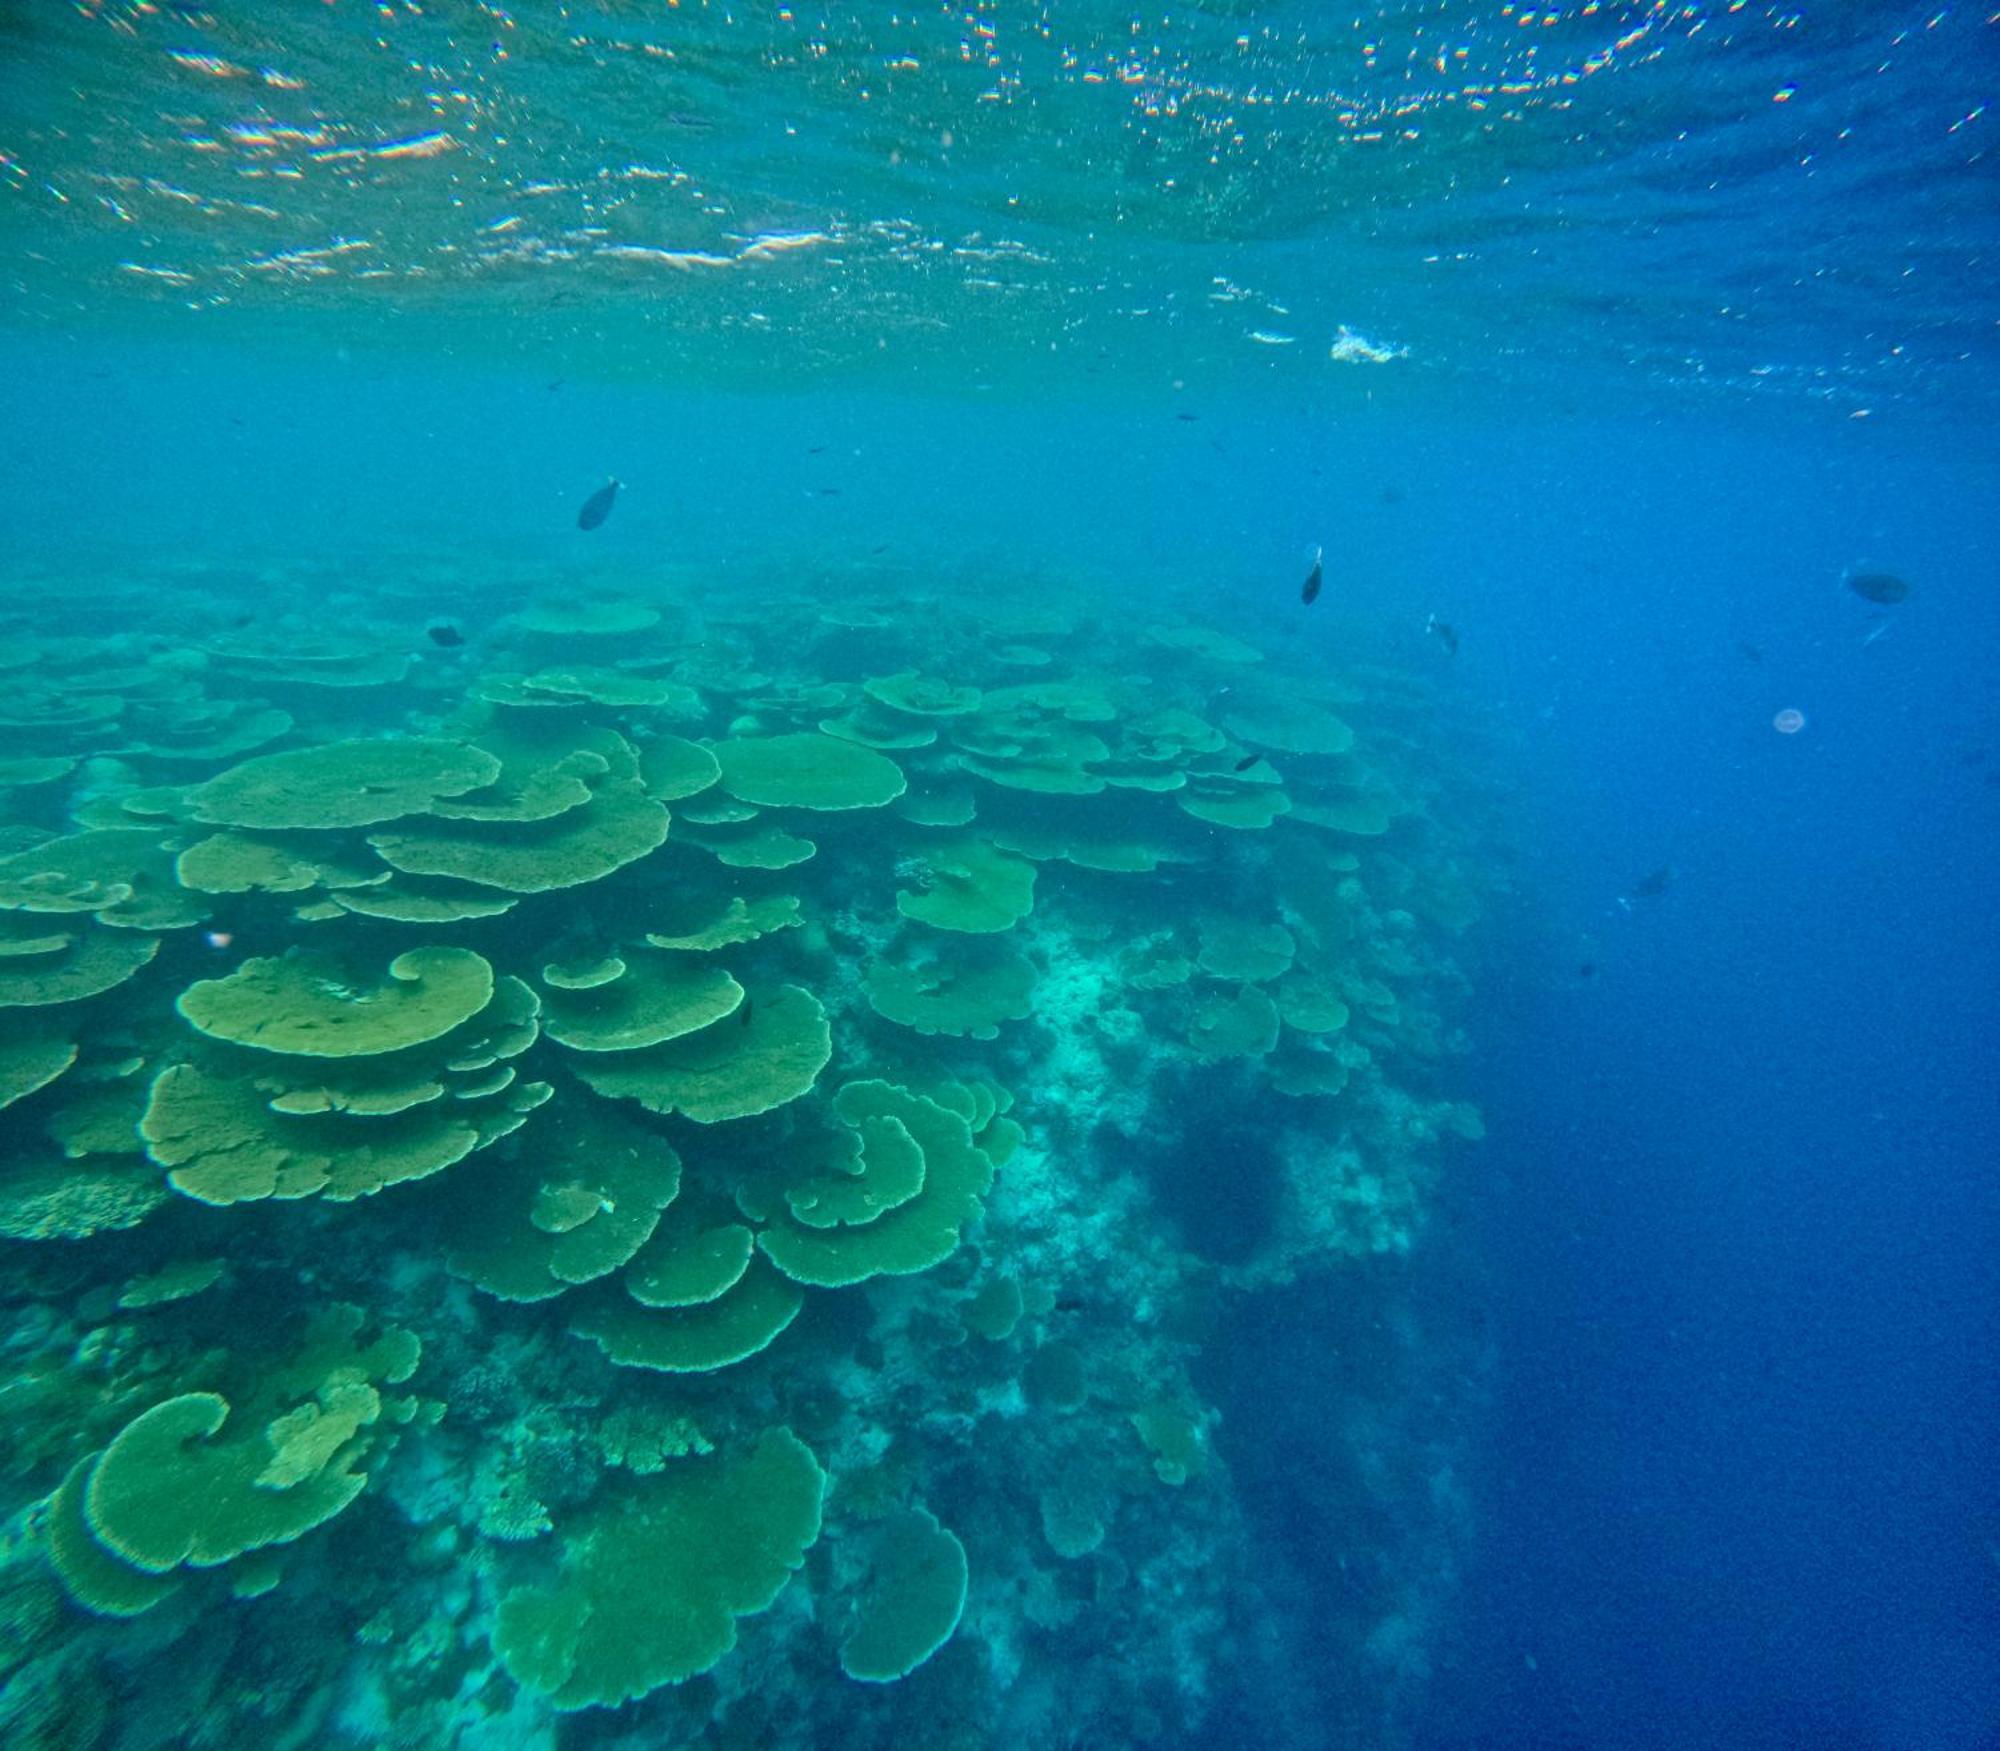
[[1743, 1222]]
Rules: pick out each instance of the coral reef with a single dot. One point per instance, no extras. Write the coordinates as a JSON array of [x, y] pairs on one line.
[[684, 1151]]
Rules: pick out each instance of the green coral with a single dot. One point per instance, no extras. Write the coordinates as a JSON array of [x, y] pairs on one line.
[[652, 1582], [167, 1494], [921, 695], [675, 768], [757, 844], [697, 1255], [579, 1206], [655, 999], [315, 1005], [808, 772], [1243, 1026], [193, 1483], [963, 993], [1176, 1439], [742, 1321], [231, 862], [739, 921], [913, 1600], [31, 1061], [1236, 950], [93, 1577], [44, 962], [223, 1143], [618, 825], [342, 784], [972, 887], [123, 875], [891, 1235], [769, 1053]]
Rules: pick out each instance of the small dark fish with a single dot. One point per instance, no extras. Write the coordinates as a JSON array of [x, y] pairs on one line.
[[1654, 884], [1445, 633], [1588, 970], [743, 1014], [1753, 652], [598, 506], [1309, 590], [442, 632], [1883, 587], [1187, 419], [817, 450], [1248, 761], [243, 620], [1393, 495], [557, 384], [828, 492]]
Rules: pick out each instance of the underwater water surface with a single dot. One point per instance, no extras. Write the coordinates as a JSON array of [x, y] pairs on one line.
[[1048, 877]]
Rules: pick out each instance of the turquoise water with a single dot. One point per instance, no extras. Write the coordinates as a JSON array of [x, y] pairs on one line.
[[896, 1098]]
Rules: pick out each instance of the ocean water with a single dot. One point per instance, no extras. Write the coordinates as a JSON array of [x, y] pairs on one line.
[[896, 1098]]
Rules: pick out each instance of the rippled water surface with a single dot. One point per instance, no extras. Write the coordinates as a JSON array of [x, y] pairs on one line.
[[1033, 191]]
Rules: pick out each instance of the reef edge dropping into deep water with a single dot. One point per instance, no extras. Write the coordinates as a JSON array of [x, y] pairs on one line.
[[480, 1111]]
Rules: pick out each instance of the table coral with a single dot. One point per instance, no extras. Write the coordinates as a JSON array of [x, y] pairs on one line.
[[342, 784], [913, 1600], [652, 1584]]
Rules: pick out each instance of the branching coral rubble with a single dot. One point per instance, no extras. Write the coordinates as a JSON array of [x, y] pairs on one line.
[[666, 1158]]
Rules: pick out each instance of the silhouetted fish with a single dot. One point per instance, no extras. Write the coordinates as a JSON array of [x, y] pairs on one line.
[[1248, 761], [1445, 633], [743, 1014], [1588, 970], [1309, 591], [1187, 419], [1754, 652], [1653, 885], [1393, 495], [598, 506], [442, 632], [1883, 587]]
